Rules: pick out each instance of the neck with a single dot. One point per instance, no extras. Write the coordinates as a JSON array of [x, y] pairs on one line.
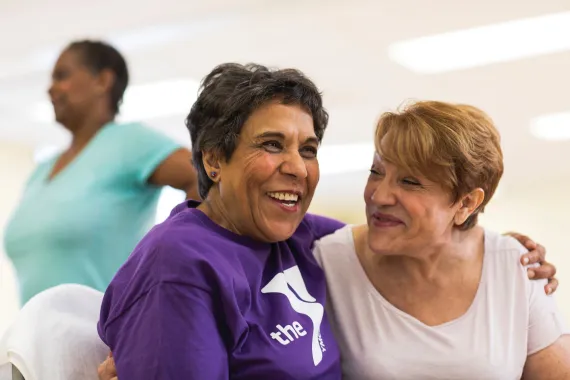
[[434, 262], [214, 208], [83, 130]]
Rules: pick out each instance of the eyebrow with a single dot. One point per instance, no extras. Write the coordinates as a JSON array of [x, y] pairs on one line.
[[281, 136]]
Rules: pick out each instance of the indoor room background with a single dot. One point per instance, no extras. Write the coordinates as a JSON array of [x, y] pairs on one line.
[[508, 58]]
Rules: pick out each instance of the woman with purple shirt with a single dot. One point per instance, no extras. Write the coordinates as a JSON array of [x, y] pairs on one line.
[[229, 288]]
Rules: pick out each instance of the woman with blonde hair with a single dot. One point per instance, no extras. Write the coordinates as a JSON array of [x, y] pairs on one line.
[[423, 291]]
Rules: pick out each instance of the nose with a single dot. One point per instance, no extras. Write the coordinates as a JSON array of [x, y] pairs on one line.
[[50, 90], [294, 165], [384, 194]]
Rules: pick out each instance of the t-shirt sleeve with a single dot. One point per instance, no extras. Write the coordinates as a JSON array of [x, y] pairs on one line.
[[546, 323], [321, 226], [142, 150], [170, 332]]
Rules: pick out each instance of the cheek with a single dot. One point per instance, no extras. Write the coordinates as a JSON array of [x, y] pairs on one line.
[[78, 89], [257, 168], [368, 191], [432, 217], [418, 209], [313, 174], [61, 87]]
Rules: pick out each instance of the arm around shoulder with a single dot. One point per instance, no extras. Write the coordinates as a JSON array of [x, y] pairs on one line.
[[321, 225]]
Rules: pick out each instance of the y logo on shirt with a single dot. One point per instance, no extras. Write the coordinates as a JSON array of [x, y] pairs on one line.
[[290, 283]]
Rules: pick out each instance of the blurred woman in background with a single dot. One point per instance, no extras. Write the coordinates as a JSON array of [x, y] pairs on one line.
[[83, 212]]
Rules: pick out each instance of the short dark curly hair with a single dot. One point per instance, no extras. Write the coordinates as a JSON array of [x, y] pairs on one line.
[[230, 93], [98, 56]]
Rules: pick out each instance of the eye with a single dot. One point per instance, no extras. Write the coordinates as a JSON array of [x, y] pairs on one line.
[[60, 74], [375, 172], [309, 152], [411, 182], [272, 146]]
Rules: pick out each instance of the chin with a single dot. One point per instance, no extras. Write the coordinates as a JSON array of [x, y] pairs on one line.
[[379, 243], [60, 119], [280, 231], [376, 245]]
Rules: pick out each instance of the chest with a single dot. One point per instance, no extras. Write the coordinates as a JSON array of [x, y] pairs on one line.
[[383, 342], [434, 305], [77, 207], [283, 331], [61, 163], [445, 297]]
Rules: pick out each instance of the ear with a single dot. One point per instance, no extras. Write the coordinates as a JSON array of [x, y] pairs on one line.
[[468, 204], [212, 165], [105, 80]]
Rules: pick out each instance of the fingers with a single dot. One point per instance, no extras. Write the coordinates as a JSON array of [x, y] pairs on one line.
[[551, 286], [107, 369], [545, 270], [532, 257], [535, 256]]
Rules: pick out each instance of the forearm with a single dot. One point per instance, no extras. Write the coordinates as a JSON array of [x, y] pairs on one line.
[[551, 363]]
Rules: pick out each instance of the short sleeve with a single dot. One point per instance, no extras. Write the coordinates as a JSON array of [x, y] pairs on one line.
[[170, 332], [321, 226], [546, 323], [142, 149]]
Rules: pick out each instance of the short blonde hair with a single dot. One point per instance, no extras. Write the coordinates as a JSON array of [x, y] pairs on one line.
[[455, 145]]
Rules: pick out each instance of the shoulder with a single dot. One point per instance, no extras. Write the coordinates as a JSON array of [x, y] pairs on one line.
[[335, 247], [502, 267], [135, 135], [181, 250], [180, 253], [178, 247], [314, 227], [502, 247], [128, 129], [135, 149], [342, 237]]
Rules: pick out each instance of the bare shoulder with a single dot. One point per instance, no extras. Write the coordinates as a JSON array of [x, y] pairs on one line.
[[338, 244]]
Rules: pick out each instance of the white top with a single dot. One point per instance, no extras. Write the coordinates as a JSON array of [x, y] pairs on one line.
[[510, 318], [55, 336]]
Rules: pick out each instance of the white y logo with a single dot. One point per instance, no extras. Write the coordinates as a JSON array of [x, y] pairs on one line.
[[301, 301]]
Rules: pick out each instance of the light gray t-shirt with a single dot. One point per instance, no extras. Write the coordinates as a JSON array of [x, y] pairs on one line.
[[510, 318]]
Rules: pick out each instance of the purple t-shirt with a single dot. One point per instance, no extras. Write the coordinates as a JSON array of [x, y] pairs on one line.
[[196, 301]]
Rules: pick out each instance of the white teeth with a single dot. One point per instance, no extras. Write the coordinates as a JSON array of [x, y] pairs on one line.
[[284, 196]]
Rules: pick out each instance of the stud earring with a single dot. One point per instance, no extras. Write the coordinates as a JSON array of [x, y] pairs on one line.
[[213, 174]]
